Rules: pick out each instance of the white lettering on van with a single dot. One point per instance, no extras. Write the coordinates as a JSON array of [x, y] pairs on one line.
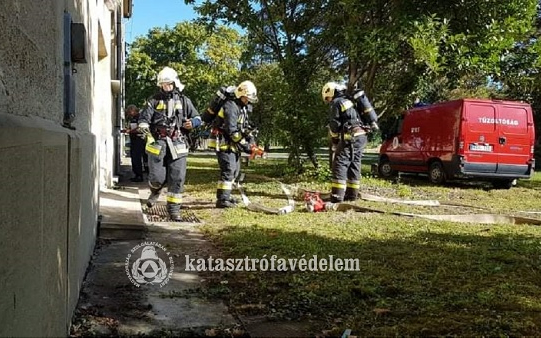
[[415, 130], [489, 120]]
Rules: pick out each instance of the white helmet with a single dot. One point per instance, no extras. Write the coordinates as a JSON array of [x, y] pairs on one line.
[[248, 89], [169, 75], [330, 89]]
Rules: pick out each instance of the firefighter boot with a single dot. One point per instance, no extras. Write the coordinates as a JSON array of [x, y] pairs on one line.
[[223, 199], [153, 198], [174, 211], [222, 204], [337, 191], [351, 194]]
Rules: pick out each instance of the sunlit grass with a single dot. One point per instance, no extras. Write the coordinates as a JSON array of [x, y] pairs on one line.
[[417, 277]]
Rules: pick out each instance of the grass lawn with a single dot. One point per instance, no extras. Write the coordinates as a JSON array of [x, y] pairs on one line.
[[417, 276]]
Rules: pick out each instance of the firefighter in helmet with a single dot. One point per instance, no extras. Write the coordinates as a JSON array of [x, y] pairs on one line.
[[231, 136], [166, 120], [349, 139]]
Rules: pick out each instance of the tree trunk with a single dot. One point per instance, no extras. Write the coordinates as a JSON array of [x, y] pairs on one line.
[[311, 154]]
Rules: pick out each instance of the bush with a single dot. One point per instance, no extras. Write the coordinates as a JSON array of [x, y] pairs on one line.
[[320, 174]]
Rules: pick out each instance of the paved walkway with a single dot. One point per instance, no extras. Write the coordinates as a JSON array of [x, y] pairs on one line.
[[183, 303], [112, 304]]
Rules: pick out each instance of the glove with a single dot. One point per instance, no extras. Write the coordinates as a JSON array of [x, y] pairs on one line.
[[143, 130], [143, 133]]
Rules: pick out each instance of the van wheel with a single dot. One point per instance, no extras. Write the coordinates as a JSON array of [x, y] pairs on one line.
[[385, 170], [502, 184], [436, 174]]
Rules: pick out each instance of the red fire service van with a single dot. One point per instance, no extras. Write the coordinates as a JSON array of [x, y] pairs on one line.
[[468, 138]]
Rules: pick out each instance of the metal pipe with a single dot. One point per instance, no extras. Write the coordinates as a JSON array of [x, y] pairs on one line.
[[120, 96]]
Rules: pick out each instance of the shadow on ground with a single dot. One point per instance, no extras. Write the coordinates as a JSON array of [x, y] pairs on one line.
[[435, 284]]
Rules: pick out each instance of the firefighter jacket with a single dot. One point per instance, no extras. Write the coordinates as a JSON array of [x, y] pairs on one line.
[[232, 128], [344, 121], [165, 113]]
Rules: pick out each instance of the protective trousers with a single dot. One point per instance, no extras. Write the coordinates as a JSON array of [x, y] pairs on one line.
[[164, 170], [346, 169], [229, 163], [137, 155]]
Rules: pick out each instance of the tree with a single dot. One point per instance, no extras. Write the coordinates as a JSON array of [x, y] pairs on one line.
[[394, 50], [397, 50], [204, 60], [475, 37], [521, 77], [290, 33]]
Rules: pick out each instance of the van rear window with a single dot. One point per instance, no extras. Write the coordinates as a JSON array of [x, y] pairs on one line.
[[514, 119], [482, 118]]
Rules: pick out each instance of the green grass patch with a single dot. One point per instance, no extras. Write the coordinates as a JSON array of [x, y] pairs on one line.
[[416, 276]]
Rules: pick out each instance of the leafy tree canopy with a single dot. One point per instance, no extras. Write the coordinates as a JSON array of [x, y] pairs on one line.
[[204, 60]]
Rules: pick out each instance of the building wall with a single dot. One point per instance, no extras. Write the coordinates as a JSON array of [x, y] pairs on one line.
[[51, 175]]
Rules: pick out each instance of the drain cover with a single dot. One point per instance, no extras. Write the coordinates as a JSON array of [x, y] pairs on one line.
[[158, 213]]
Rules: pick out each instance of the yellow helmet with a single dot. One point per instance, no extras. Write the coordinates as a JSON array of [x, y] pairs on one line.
[[330, 89], [248, 89]]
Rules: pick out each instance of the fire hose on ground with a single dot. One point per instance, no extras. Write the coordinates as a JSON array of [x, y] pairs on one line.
[[261, 208], [314, 202], [485, 218]]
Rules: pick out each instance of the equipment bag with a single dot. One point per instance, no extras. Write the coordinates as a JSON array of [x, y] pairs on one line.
[[223, 94]]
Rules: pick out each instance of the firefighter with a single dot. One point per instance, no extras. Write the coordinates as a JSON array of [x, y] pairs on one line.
[[230, 137], [349, 139], [166, 120], [139, 159]]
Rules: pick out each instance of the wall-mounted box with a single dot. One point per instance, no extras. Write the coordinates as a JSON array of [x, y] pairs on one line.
[[78, 43]]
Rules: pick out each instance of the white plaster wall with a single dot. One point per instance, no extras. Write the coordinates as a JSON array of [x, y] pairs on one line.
[[30, 58], [102, 125], [49, 196]]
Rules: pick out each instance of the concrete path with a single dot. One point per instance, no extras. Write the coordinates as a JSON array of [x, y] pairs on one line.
[[116, 298], [112, 302]]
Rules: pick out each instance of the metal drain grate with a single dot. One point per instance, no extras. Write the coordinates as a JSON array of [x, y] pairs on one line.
[[158, 213]]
